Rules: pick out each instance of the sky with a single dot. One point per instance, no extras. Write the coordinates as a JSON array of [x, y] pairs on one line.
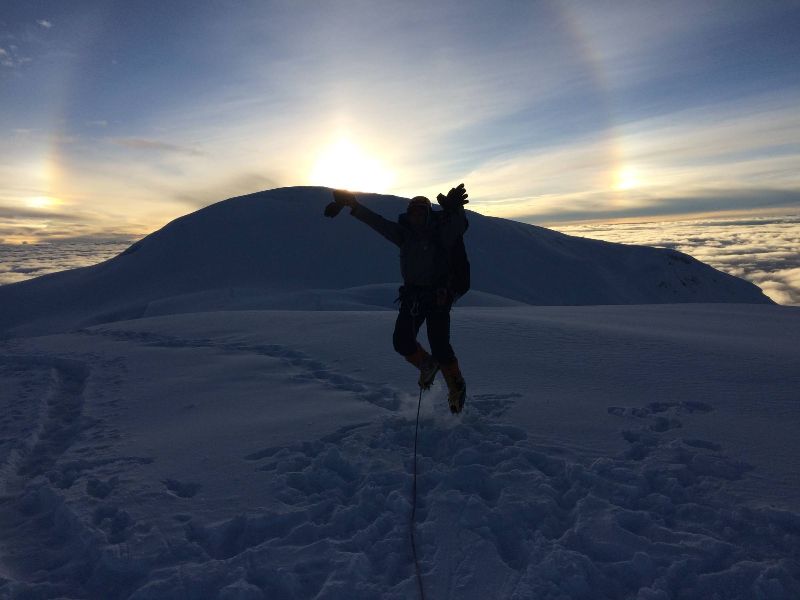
[[119, 116]]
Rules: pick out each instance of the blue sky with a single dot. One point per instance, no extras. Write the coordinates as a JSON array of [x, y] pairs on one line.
[[118, 116]]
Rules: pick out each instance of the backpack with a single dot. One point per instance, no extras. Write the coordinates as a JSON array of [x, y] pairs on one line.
[[458, 280]]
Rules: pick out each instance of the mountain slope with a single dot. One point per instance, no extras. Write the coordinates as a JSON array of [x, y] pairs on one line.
[[274, 248]]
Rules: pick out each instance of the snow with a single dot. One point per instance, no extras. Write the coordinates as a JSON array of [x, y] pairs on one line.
[[179, 424], [606, 452]]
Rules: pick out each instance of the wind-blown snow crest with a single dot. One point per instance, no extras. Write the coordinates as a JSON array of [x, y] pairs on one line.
[[275, 249]]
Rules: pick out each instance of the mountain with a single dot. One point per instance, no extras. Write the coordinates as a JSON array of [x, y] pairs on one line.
[[274, 249]]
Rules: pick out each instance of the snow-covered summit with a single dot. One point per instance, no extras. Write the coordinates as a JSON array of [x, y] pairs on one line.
[[274, 249]]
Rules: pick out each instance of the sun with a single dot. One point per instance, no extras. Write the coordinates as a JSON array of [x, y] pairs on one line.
[[344, 165]]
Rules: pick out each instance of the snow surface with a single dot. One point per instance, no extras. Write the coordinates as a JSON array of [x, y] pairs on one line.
[[159, 438], [644, 452], [274, 249]]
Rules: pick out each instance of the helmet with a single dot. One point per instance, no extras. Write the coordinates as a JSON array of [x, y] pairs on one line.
[[418, 201]]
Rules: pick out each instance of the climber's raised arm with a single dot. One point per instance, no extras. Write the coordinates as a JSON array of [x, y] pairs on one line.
[[388, 229]]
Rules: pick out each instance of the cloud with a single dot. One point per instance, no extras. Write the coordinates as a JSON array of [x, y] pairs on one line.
[[517, 103], [783, 285], [65, 215], [26, 270], [765, 251], [17, 212], [44, 23], [611, 206], [420, 97], [734, 155], [156, 146], [245, 183], [11, 58], [19, 262], [37, 229], [6, 59]]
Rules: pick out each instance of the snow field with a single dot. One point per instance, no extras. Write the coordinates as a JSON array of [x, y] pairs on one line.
[[268, 455]]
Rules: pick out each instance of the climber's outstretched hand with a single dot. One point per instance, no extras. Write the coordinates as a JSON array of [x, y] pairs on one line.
[[341, 198], [457, 196]]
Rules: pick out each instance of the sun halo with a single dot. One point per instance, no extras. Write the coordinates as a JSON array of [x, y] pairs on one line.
[[627, 178]]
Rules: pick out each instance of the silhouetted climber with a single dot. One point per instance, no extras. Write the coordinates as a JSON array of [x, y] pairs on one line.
[[435, 273]]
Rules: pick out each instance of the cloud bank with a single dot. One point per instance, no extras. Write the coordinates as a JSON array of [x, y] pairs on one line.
[[765, 251], [24, 261]]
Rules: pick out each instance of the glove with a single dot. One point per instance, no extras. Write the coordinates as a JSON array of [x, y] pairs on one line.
[[333, 209], [456, 197], [341, 198]]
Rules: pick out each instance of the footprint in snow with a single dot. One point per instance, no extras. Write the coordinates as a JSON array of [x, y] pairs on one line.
[[101, 489], [657, 408], [182, 489], [493, 405]]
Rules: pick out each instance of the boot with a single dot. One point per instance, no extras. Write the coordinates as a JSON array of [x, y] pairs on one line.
[[456, 386], [426, 365]]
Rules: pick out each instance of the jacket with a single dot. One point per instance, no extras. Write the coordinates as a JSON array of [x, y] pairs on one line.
[[423, 253]]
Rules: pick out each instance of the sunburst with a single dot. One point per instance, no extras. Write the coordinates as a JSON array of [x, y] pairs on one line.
[[343, 164]]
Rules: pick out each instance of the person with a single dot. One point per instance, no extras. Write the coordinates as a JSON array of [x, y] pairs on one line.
[[426, 239]]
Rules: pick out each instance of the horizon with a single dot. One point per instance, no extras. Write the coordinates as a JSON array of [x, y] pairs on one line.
[[117, 121]]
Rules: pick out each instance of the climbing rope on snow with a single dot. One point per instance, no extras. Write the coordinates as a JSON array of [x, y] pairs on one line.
[[414, 504]]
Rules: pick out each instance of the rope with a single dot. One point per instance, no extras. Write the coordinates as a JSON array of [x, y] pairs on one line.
[[414, 310], [414, 504]]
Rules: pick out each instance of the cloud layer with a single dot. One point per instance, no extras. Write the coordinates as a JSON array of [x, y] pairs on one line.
[[25, 261], [765, 251]]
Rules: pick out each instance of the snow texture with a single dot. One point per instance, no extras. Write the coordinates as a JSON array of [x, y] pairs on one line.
[[606, 452], [275, 250]]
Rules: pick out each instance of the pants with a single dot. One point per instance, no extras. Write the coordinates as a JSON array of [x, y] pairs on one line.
[[416, 309]]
